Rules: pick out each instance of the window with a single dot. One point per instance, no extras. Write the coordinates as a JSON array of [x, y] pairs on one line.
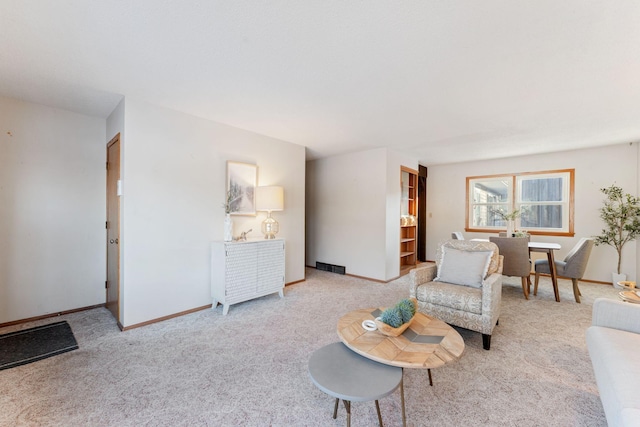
[[544, 199]]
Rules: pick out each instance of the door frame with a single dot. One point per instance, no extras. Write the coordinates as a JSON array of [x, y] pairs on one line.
[[115, 140], [422, 213]]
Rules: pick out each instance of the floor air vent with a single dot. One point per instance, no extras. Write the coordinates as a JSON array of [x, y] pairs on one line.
[[330, 267]]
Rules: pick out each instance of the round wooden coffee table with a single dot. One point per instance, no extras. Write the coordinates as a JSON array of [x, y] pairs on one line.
[[427, 343]]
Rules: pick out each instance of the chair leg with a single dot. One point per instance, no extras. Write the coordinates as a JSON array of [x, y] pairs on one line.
[[576, 290], [535, 285], [525, 288], [486, 341]]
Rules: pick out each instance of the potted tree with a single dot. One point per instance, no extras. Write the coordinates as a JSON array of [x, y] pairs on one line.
[[621, 216]]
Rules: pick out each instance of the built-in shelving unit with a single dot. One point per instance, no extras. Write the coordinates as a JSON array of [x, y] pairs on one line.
[[408, 217]]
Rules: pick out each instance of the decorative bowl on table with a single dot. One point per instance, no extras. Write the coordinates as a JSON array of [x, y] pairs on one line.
[[630, 296], [404, 308], [627, 285], [390, 331]]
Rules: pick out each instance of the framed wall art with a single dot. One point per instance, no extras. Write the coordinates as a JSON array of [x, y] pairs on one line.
[[241, 187]]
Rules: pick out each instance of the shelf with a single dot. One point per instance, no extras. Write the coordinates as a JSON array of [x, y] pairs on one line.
[[408, 206]]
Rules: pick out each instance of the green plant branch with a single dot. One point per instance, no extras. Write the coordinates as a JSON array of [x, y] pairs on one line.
[[511, 216], [228, 205]]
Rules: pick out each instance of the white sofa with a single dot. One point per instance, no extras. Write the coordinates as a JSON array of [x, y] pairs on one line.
[[613, 341]]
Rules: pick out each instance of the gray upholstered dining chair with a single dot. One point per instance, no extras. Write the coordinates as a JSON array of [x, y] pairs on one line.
[[516, 259], [573, 266], [456, 235]]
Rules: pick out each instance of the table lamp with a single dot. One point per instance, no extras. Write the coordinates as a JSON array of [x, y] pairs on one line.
[[269, 199]]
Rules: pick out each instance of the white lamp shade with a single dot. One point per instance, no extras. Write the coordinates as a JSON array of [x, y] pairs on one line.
[[270, 198]]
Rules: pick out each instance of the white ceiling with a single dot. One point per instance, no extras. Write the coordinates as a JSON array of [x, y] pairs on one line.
[[446, 80]]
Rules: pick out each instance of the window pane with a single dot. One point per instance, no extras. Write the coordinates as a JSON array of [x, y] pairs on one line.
[[541, 190], [485, 216], [545, 201], [491, 191], [541, 216]]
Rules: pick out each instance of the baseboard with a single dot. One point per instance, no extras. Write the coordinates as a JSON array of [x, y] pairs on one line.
[[182, 313], [362, 277], [160, 319], [47, 316], [120, 326], [368, 278]]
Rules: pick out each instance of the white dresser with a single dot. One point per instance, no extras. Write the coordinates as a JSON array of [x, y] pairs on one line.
[[241, 271]]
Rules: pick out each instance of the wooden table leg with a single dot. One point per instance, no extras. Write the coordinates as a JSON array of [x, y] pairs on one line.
[[554, 276], [379, 414], [347, 406]]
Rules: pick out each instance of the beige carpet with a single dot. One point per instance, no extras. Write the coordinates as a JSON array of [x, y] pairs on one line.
[[249, 368]]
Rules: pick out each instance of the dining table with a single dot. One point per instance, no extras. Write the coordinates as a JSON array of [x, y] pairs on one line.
[[547, 248]]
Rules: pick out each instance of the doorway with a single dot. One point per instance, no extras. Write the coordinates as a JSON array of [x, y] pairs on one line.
[[113, 228], [422, 213]]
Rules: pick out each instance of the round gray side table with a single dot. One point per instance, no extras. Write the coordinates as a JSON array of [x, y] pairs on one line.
[[349, 377]]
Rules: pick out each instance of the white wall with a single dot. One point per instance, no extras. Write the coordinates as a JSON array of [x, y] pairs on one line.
[[52, 210], [53, 207], [174, 179], [353, 212], [595, 168]]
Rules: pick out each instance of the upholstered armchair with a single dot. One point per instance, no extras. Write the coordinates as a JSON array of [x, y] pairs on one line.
[[463, 288]]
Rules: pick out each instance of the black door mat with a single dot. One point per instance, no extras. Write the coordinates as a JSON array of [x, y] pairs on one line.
[[29, 345]]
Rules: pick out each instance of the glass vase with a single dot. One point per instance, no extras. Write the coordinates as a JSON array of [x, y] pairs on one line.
[[510, 228], [228, 228]]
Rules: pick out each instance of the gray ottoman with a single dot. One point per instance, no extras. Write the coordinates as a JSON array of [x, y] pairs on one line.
[[349, 377]]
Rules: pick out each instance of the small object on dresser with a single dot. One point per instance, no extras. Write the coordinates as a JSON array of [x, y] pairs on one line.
[[243, 236], [228, 228], [228, 210]]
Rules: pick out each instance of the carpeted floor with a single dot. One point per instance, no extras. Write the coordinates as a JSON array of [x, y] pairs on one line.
[[249, 368]]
